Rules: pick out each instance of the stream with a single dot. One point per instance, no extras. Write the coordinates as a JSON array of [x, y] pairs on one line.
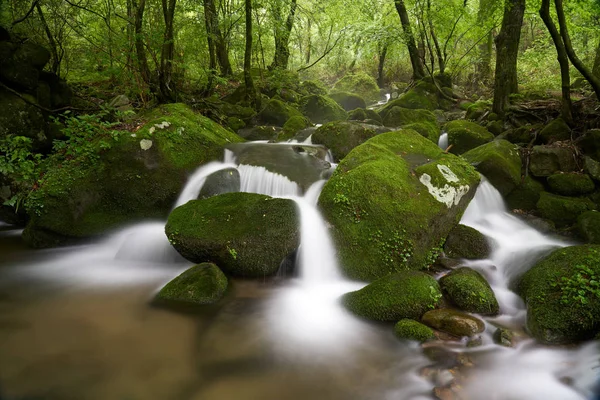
[[78, 323]]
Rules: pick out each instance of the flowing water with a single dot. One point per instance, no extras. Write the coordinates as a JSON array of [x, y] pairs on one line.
[[78, 323]]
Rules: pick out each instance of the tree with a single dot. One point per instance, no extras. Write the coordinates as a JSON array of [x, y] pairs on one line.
[[250, 91], [217, 45], [415, 60], [165, 76], [282, 35]]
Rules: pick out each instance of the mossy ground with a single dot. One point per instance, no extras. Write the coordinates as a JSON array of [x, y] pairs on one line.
[[199, 285], [469, 290]]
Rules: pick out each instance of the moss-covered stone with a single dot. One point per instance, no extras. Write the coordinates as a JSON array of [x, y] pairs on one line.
[[392, 201], [547, 160], [260, 132], [469, 290], [526, 195], [293, 125], [359, 114], [521, 135], [276, 112], [466, 242], [499, 161], [19, 118], [588, 225], [402, 295], [361, 84], [413, 330], [414, 99], [562, 295], [477, 110], [202, 284], [246, 234], [556, 130], [309, 87], [571, 184], [342, 136], [322, 109], [348, 101], [592, 168], [113, 182], [427, 130], [453, 322], [422, 121], [465, 135], [590, 144], [561, 210], [226, 180], [495, 127], [504, 337]]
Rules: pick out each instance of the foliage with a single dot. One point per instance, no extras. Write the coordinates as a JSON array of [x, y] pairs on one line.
[[20, 165]]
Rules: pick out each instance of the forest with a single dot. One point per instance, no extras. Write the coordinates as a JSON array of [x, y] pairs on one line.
[[242, 199]]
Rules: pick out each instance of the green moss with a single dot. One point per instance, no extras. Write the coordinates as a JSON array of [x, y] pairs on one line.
[[499, 161], [413, 330], [563, 295], [466, 242], [260, 231], [588, 225], [341, 137], [423, 121], [430, 131], [293, 126], [313, 87], [322, 109], [376, 192], [555, 131], [469, 290], [561, 210], [415, 100], [464, 136], [361, 84], [394, 297], [526, 195], [358, 114], [276, 112], [201, 284], [477, 110], [348, 101], [547, 160], [571, 184]]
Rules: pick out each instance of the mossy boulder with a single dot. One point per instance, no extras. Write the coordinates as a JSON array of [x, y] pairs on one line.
[[246, 234], [427, 130], [112, 182], [292, 126], [410, 329], [590, 144], [401, 295], [415, 99], [260, 132], [361, 84], [588, 225], [562, 295], [19, 118], [309, 87], [423, 121], [322, 109], [469, 290], [477, 110], [526, 195], [592, 168], [392, 201], [466, 242], [362, 114], [546, 160], [453, 322], [571, 184], [276, 112], [465, 135], [348, 101], [555, 131], [521, 135], [342, 136], [202, 284], [499, 161], [562, 210]]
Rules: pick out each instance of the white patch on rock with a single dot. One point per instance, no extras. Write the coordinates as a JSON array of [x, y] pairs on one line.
[[133, 135], [449, 195], [145, 144], [447, 173], [163, 125], [151, 130]]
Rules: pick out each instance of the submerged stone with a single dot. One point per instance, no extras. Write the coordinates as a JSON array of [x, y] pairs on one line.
[[453, 322], [202, 284]]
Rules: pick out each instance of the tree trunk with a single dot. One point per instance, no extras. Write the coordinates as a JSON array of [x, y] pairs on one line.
[[55, 66], [380, 76], [282, 38], [166, 84], [564, 33], [483, 68], [213, 30], [308, 45], [563, 60], [250, 90], [596, 68], [356, 49], [140, 50], [415, 60], [507, 50]]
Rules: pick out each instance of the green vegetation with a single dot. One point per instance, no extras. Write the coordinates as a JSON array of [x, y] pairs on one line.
[[413, 330], [464, 136], [202, 284], [469, 290]]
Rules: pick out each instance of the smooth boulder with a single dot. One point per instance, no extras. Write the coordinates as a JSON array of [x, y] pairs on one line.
[[200, 285], [466, 242], [469, 290], [465, 135], [342, 136], [453, 322], [410, 329]]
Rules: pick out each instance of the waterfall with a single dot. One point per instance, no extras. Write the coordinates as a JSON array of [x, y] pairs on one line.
[[443, 141], [196, 181], [260, 180]]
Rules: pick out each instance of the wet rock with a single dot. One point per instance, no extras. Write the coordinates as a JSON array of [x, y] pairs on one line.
[[224, 181], [469, 290], [466, 242], [200, 285], [464, 136], [413, 330], [504, 337], [262, 132], [453, 322], [547, 160], [526, 195]]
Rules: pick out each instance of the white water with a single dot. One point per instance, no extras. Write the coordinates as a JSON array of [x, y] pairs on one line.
[[443, 141], [194, 184], [260, 180]]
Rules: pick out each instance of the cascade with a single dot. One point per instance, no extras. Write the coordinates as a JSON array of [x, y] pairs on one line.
[[443, 141]]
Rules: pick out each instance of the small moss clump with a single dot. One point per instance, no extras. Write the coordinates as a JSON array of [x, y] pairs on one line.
[[561, 210], [413, 330], [464, 136], [466, 242], [469, 290], [199, 285], [571, 184], [402, 295]]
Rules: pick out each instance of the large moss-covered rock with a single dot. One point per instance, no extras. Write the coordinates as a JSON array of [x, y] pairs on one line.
[[322, 109], [423, 121], [19, 118], [413, 330], [427, 130], [547, 160], [392, 201], [361, 84], [499, 162], [466, 242], [469, 290], [111, 182], [401, 295], [556, 130], [526, 195], [292, 126], [276, 112], [313, 87], [342, 136], [348, 101], [246, 234], [465, 135], [202, 284], [562, 210], [415, 100], [453, 322], [588, 225], [571, 184], [563, 295]]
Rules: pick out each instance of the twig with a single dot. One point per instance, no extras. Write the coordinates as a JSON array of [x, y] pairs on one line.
[[26, 15]]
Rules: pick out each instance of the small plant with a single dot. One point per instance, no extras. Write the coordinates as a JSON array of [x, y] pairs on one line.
[[233, 253], [21, 165], [435, 297], [579, 287]]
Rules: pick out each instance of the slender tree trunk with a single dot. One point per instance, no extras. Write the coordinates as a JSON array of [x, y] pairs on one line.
[[54, 67], [140, 50], [563, 60], [413, 52], [212, 58], [250, 90], [483, 68], [507, 50], [282, 38], [213, 30], [564, 33], [166, 84], [308, 45], [380, 75], [356, 49], [596, 68]]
